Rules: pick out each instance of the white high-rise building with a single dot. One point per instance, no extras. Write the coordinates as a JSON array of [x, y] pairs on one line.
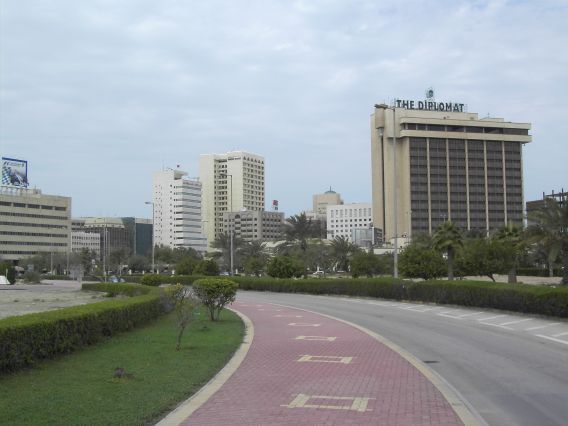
[[177, 211], [231, 182]]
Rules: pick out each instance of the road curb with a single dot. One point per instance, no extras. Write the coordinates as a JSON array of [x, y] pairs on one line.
[[186, 408]]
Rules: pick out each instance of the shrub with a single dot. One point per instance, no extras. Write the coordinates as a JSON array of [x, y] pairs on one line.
[[284, 267], [27, 339], [215, 293], [206, 267], [32, 277], [186, 266], [152, 280], [416, 261], [367, 264], [184, 302]]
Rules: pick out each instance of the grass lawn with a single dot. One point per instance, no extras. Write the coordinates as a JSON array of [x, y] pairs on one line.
[[80, 388]]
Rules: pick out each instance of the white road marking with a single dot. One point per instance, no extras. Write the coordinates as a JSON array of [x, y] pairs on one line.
[[516, 321], [560, 334], [498, 325], [469, 315], [553, 339], [490, 318], [541, 326]]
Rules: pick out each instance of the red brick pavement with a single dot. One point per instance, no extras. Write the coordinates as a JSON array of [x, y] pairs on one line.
[[285, 381]]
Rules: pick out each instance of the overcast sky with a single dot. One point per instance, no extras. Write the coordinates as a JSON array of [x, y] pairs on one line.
[[98, 94]]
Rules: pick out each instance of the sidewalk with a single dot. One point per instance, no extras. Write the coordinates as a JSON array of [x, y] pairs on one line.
[[307, 369]]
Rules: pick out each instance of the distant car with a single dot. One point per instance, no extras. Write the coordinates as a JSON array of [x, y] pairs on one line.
[[115, 279], [318, 273], [224, 274]]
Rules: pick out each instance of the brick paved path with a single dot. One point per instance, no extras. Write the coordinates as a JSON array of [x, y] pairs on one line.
[[307, 369]]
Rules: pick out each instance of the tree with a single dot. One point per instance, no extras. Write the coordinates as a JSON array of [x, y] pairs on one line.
[[551, 230], [86, 258], [184, 302], [186, 265], [416, 261], [254, 266], [117, 258], [341, 251], [215, 294], [223, 244], [206, 267], [448, 239], [367, 264], [284, 267], [513, 238], [138, 263], [298, 229], [484, 256]]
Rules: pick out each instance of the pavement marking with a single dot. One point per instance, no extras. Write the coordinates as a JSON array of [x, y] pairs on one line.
[[462, 408], [516, 321], [541, 326], [326, 358], [470, 315], [317, 338], [490, 318], [560, 334], [498, 325], [552, 338], [358, 403], [288, 316], [189, 406], [303, 324]]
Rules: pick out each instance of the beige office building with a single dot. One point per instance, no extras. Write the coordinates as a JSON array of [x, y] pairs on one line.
[[231, 182], [322, 201], [254, 225], [450, 165], [33, 223]]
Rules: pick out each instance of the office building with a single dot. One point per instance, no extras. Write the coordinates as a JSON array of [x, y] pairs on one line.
[[322, 201], [177, 211], [90, 241], [249, 225], [231, 182], [342, 220], [32, 223], [450, 165]]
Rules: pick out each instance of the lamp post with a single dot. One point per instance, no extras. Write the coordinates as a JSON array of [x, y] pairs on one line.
[[395, 201], [153, 232]]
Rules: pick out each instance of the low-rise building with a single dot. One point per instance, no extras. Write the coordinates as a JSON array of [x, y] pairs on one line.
[[250, 225], [343, 219], [33, 223]]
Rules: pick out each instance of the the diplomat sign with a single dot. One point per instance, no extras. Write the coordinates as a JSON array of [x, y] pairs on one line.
[[430, 105]]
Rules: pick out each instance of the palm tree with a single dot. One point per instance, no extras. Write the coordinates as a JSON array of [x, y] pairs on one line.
[[341, 251], [513, 237], [254, 249], [448, 239], [551, 230], [223, 244], [298, 228]]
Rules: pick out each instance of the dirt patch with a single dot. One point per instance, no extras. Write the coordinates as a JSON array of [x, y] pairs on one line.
[[24, 299]]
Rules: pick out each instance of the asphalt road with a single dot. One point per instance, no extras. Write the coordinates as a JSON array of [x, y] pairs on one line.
[[511, 368]]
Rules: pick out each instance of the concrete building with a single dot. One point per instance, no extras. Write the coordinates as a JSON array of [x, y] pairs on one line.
[[231, 182], [113, 234], [450, 165], [322, 201], [251, 225], [535, 205], [177, 211], [343, 219], [33, 223], [85, 240]]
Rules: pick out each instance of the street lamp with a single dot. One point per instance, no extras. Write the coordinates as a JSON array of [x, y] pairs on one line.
[[225, 175], [153, 231], [395, 266]]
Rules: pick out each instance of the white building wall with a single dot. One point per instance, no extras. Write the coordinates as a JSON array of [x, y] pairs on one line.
[[89, 240], [342, 219], [177, 211]]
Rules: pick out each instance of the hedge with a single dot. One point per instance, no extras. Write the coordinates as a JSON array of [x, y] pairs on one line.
[[27, 339], [542, 300], [167, 279]]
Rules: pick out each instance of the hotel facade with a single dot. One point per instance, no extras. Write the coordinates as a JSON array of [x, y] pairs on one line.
[[446, 164]]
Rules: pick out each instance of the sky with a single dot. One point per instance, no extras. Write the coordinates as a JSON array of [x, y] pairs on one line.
[[97, 95]]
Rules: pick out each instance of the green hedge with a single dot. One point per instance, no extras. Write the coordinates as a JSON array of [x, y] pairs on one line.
[[27, 339], [542, 300], [538, 272], [167, 279]]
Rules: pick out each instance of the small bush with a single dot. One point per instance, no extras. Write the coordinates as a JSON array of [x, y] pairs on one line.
[[207, 268], [32, 277], [215, 294], [152, 280]]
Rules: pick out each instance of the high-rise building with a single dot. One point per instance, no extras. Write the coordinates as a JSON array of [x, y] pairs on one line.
[[450, 165], [177, 211], [33, 223], [231, 182]]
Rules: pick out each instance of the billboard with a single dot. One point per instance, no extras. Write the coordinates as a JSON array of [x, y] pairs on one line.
[[14, 172]]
